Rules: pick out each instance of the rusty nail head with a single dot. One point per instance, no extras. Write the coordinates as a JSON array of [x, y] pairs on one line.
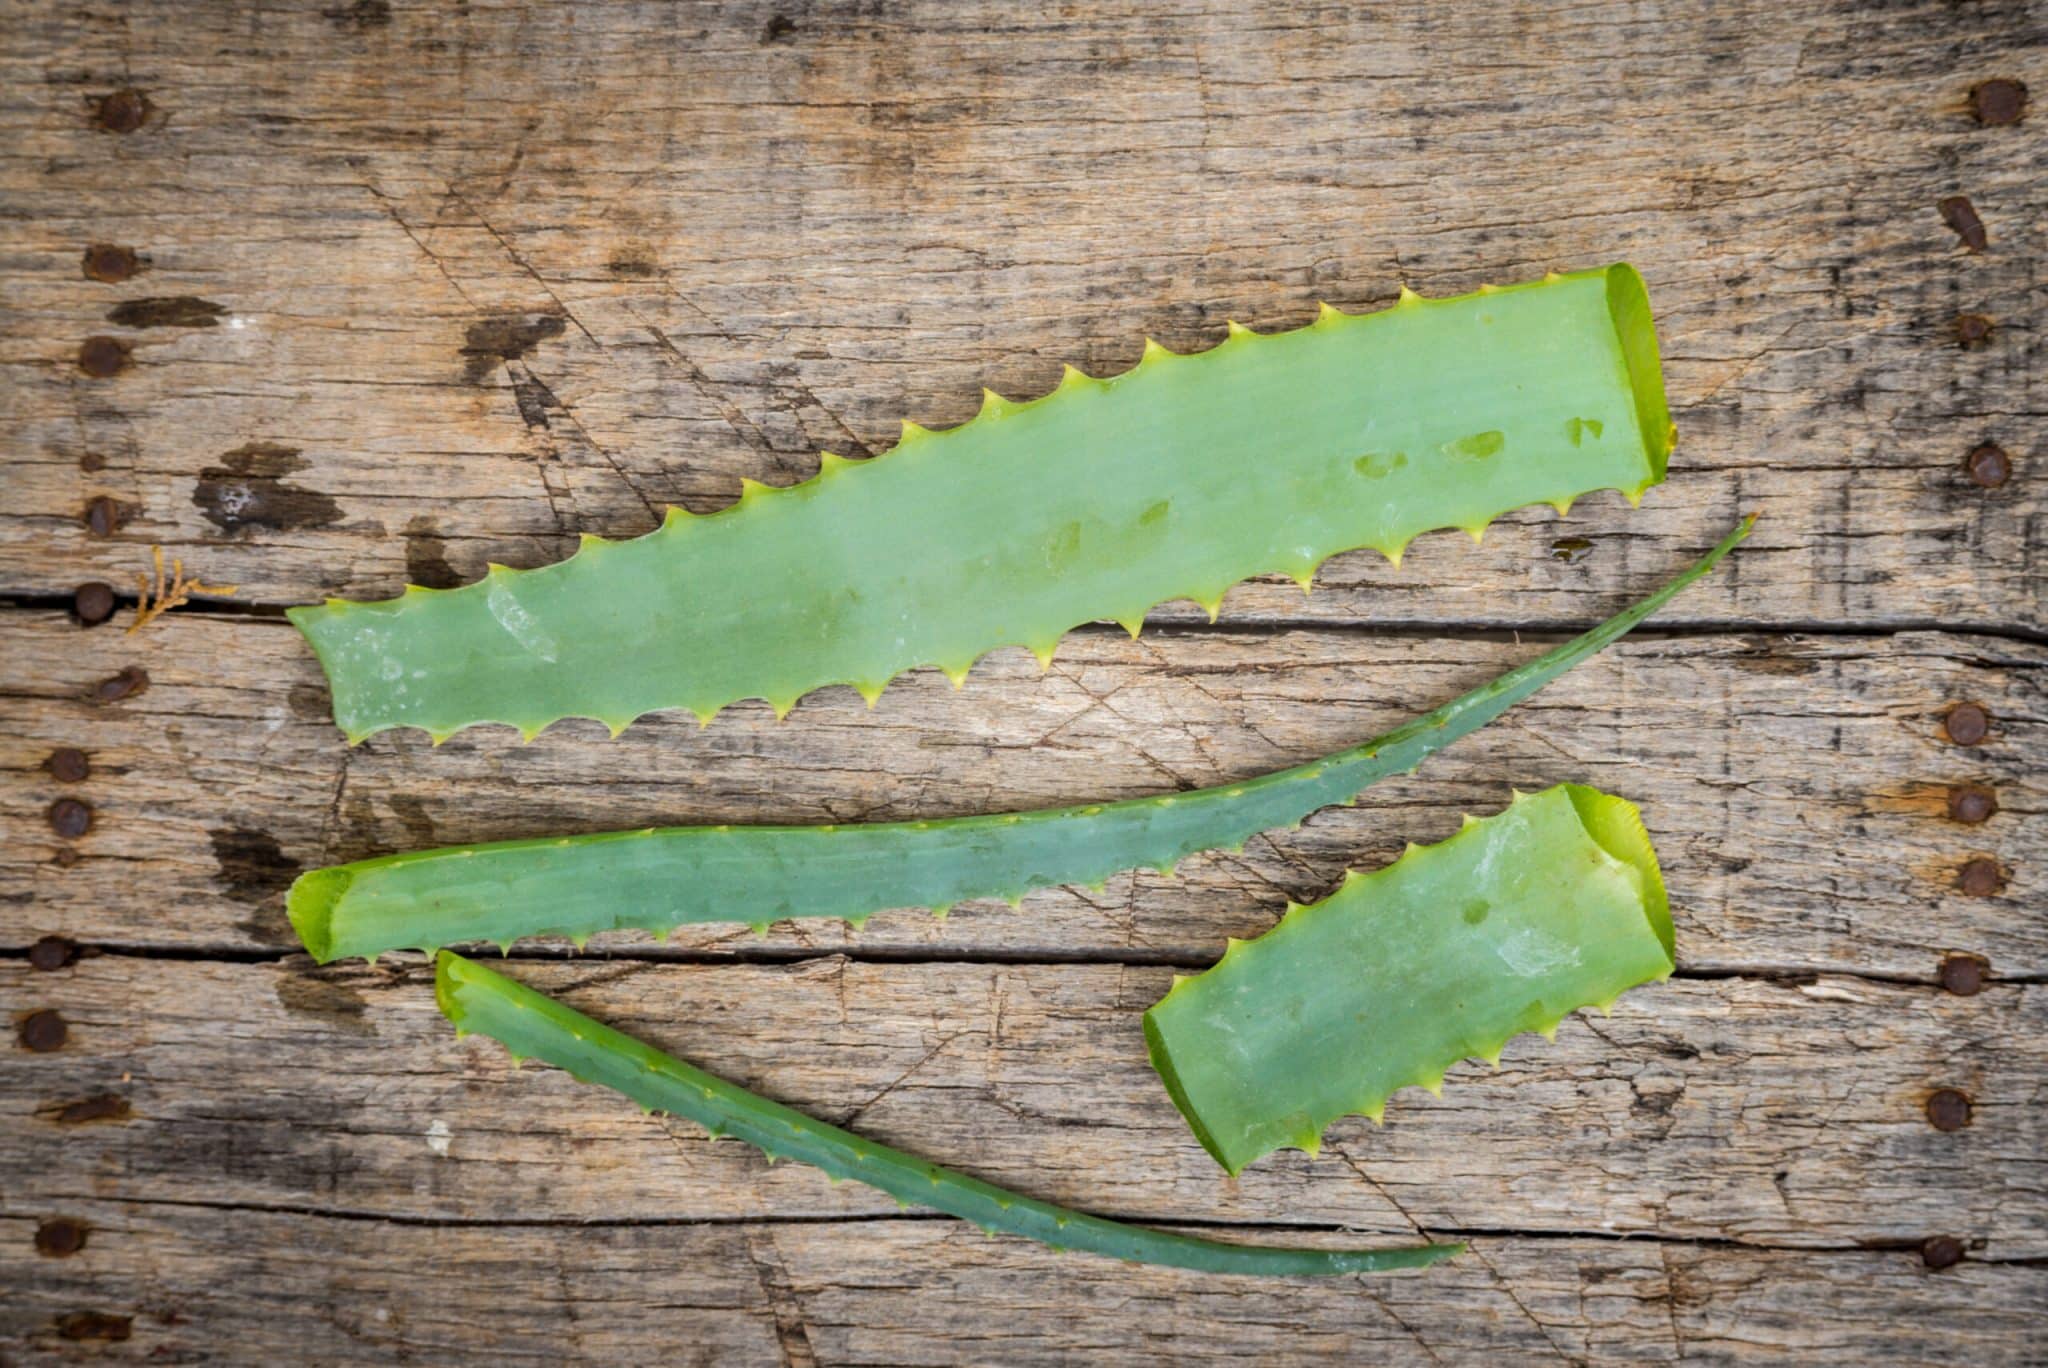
[[1967, 724], [93, 602], [1941, 1251], [108, 264], [132, 680], [1971, 803], [1980, 877], [59, 1239], [68, 765], [70, 818], [1948, 1110], [43, 1030], [1961, 215], [101, 357], [124, 111], [102, 516], [1988, 465], [1963, 975], [1972, 328], [52, 953], [1998, 101]]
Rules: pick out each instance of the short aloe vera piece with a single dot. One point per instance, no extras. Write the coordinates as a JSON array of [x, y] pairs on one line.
[[1173, 480], [1509, 926], [660, 878], [534, 1026]]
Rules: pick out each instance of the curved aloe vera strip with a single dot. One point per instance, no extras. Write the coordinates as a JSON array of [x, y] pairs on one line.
[[1511, 925], [1175, 479], [660, 878], [533, 1025]]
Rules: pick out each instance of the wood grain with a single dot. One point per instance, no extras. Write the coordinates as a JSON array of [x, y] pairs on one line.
[[1760, 1112], [378, 292], [493, 281], [1798, 786], [192, 1283]]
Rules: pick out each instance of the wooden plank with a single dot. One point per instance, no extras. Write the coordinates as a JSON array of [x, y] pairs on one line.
[[185, 1284], [419, 288], [471, 308], [1798, 787], [1782, 1113]]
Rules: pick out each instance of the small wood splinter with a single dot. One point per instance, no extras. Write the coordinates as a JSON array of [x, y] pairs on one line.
[[154, 600]]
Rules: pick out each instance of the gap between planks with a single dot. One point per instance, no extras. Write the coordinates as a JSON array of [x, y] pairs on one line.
[[1468, 629], [798, 955], [1276, 1229]]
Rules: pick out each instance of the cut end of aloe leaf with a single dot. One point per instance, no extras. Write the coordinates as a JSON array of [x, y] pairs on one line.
[[1628, 303], [1174, 480], [1617, 826], [310, 906], [1509, 926]]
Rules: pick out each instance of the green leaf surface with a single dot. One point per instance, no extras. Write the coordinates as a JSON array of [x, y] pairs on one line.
[[660, 878], [1173, 480], [534, 1026], [1509, 926]]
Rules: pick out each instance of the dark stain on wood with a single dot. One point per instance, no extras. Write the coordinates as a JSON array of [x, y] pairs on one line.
[[167, 311], [507, 337], [253, 869], [337, 1005], [94, 1327], [87, 1110], [310, 702], [360, 17], [248, 492], [426, 555]]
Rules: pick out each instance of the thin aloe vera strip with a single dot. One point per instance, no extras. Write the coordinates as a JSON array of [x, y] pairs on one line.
[[1517, 921], [534, 1026], [659, 878], [1175, 479]]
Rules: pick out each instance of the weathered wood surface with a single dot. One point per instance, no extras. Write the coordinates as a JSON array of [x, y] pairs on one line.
[[492, 281], [899, 1292], [1798, 786], [1769, 1113], [421, 287]]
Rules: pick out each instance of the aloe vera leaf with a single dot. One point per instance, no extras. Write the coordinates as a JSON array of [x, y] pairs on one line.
[[534, 1026], [1517, 921], [1175, 479], [659, 878]]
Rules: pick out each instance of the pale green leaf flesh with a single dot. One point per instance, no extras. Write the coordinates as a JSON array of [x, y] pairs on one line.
[[534, 1026], [1175, 479], [661, 878], [1509, 926]]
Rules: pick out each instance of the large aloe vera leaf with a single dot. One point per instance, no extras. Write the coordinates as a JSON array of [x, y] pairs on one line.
[[660, 878], [1509, 926], [534, 1026], [1175, 479]]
